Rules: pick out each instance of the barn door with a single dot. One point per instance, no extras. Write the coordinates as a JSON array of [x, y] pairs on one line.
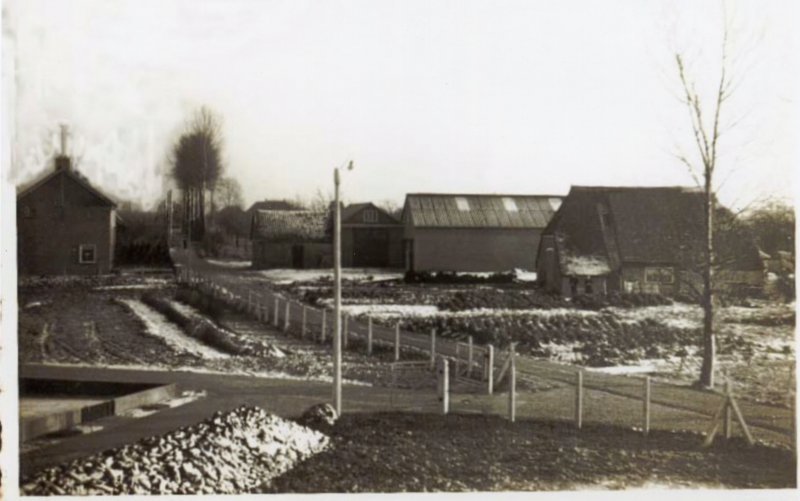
[[297, 257], [370, 248]]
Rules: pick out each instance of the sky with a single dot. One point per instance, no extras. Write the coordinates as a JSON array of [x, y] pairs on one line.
[[452, 96]]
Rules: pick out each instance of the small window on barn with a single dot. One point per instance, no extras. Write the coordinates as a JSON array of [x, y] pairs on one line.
[[462, 203], [370, 216], [510, 204], [88, 254], [660, 275]]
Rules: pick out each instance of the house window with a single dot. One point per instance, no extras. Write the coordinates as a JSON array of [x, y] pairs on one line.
[[87, 254], [659, 275], [462, 203], [370, 216], [510, 204]]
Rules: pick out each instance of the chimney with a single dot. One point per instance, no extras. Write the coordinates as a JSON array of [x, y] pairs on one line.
[[63, 162]]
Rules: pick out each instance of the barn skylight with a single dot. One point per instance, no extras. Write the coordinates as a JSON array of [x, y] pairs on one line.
[[555, 203], [462, 203], [510, 204]]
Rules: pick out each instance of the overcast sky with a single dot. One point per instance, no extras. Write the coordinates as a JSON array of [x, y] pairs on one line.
[[524, 97]]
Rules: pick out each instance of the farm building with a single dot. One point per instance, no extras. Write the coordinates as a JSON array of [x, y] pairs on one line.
[[65, 226], [371, 238], [636, 239], [474, 233], [292, 239]]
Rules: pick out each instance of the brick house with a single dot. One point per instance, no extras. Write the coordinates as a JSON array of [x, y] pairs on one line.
[[65, 226], [371, 237], [474, 233], [292, 239], [637, 239]]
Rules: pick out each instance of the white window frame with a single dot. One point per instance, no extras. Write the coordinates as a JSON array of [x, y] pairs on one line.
[[370, 216], [94, 253]]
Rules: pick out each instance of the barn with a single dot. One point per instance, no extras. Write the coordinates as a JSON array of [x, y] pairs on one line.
[[65, 226], [371, 237], [297, 239], [474, 233], [639, 239]]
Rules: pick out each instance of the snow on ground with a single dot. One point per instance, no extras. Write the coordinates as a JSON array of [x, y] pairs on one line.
[[384, 311], [678, 315], [130, 286], [157, 324], [288, 276], [230, 264]]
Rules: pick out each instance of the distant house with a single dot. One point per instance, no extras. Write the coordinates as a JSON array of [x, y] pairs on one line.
[[65, 226], [636, 239], [371, 237], [269, 205], [474, 233], [291, 239]]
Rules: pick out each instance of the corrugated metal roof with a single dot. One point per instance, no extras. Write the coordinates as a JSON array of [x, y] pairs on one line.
[[294, 225], [484, 211]]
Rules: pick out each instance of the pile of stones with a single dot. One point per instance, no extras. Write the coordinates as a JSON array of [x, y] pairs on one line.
[[229, 453]]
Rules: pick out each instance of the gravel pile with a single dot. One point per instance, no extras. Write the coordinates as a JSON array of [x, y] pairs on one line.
[[229, 453]]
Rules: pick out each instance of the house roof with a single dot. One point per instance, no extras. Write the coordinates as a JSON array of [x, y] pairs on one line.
[[293, 225], [29, 188], [430, 210], [353, 209], [599, 228], [272, 205]]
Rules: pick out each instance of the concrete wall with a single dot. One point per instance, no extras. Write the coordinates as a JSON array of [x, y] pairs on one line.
[[53, 222], [451, 249]]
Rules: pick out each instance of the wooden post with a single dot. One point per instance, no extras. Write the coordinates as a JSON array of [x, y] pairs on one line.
[[322, 330], [249, 302], [490, 367], [469, 357], [458, 358], [579, 401], [512, 387], [369, 335], [286, 316], [277, 311], [433, 349], [259, 312], [727, 422], [397, 342], [443, 378], [345, 331], [646, 427], [303, 329], [793, 396]]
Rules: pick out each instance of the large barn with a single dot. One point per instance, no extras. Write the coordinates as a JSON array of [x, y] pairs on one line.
[[65, 226], [474, 233], [371, 237], [636, 239], [292, 239]]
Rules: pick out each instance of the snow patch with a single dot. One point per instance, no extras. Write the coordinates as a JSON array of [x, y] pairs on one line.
[[230, 264], [288, 276]]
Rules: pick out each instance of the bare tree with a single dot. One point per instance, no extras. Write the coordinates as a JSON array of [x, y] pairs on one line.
[[196, 160], [229, 192]]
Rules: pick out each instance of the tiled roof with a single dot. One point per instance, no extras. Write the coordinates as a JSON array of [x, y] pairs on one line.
[[272, 205], [480, 211], [293, 225]]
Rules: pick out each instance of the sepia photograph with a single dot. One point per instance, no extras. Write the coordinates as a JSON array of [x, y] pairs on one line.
[[384, 246]]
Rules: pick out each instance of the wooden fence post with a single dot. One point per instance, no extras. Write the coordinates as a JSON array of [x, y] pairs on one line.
[[443, 379], [646, 427], [433, 349], [512, 387], [469, 356], [303, 329], [322, 330], [458, 358], [397, 342], [286, 316], [249, 302], [579, 401], [490, 372], [369, 335], [277, 311], [727, 420]]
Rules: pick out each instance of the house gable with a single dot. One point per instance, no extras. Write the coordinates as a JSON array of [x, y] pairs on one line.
[[367, 214]]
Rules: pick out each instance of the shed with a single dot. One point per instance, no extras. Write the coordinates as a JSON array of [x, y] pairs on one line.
[[65, 226], [291, 239], [639, 239], [371, 237], [474, 233]]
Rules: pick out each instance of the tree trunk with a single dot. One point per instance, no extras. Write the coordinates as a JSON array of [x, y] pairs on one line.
[[201, 209], [709, 339]]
